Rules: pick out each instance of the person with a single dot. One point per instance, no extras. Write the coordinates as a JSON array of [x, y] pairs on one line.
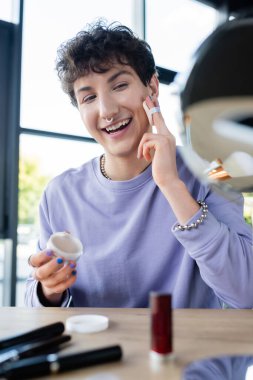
[[146, 223]]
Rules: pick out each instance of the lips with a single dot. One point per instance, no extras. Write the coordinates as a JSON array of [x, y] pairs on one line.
[[118, 126]]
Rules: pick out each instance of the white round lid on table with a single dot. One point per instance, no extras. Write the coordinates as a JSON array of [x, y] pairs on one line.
[[87, 323]]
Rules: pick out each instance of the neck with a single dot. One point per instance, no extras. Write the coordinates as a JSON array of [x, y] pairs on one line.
[[124, 168]]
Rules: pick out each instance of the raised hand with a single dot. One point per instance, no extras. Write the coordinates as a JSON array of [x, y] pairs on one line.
[[159, 147]]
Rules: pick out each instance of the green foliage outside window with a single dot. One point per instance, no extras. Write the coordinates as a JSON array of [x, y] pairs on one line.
[[31, 185], [248, 207]]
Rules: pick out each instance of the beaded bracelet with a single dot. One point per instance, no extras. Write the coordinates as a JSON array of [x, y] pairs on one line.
[[204, 208]]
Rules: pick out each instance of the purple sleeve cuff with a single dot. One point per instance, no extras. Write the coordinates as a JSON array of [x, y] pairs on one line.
[[195, 239], [32, 299]]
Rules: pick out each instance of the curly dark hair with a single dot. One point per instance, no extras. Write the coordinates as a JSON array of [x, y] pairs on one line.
[[97, 48]]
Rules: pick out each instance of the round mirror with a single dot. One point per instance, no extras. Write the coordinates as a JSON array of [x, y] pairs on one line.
[[217, 107], [220, 368]]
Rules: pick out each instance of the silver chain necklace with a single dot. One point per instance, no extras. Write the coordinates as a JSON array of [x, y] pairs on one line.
[[102, 167]]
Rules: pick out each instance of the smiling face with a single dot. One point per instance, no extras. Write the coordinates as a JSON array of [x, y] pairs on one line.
[[117, 94]]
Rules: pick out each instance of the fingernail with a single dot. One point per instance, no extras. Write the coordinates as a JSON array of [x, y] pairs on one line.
[[74, 272], [151, 97], [49, 252], [72, 265], [59, 260]]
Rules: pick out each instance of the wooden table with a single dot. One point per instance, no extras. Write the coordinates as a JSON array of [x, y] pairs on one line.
[[198, 333]]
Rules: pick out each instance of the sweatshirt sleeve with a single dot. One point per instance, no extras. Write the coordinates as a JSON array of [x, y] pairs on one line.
[[32, 298], [222, 249]]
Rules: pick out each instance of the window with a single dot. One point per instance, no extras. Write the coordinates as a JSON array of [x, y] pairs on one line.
[[175, 28], [47, 24], [41, 159], [46, 109], [8, 11], [170, 107]]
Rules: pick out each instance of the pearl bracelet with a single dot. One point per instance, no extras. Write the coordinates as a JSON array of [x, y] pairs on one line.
[[204, 208]]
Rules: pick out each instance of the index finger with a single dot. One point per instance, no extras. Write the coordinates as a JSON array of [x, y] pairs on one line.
[[40, 258], [151, 106]]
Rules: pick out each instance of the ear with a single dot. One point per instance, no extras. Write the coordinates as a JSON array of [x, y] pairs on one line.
[[154, 86]]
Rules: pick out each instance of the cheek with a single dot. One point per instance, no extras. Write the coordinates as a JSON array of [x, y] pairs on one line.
[[136, 103], [87, 119]]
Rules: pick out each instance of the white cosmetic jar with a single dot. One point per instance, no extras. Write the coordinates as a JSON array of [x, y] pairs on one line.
[[65, 245]]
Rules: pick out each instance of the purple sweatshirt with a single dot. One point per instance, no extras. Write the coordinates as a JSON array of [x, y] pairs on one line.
[[131, 248]]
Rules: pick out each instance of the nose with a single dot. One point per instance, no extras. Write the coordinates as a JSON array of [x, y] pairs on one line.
[[108, 107]]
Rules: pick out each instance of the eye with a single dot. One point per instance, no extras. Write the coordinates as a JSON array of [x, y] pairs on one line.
[[88, 98], [120, 86]]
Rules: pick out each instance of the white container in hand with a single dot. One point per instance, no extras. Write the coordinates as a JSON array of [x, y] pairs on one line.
[[65, 245]]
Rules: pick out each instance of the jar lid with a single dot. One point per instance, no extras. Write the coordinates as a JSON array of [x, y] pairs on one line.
[[87, 323]]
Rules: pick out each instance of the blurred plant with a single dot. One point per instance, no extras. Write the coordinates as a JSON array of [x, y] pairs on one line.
[[248, 207], [31, 185]]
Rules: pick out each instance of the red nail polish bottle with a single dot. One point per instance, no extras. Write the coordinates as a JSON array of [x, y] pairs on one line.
[[161, 325]]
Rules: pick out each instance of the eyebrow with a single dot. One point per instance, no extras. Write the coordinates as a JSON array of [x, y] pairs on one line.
[[110, 80], [116, 75]]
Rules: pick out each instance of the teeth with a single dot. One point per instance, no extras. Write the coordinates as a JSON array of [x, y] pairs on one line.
[[117, 126]]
